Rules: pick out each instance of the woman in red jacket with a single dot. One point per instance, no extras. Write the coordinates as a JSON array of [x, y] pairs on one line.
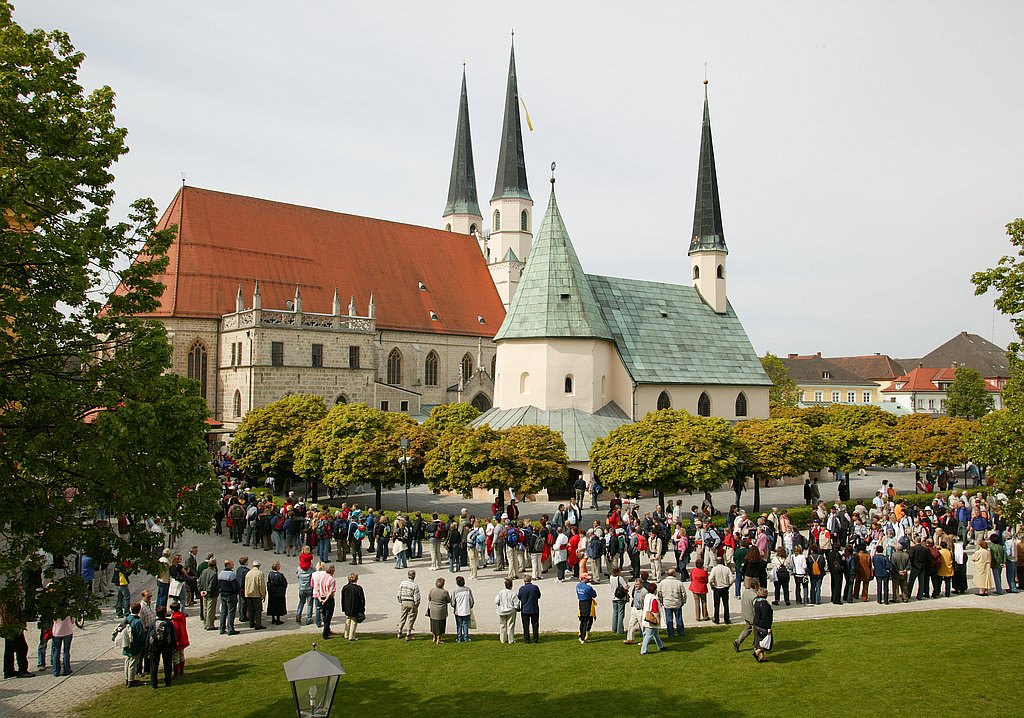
[[181, 633]]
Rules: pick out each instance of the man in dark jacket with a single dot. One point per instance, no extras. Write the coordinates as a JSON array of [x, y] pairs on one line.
[[227, 590], [208, 593], [353, 605], [529, 600], [920, 559], [161, 642]]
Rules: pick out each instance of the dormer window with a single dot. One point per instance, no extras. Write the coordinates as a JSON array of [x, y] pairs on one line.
[[564, 297], [480, 318], [664, 314], [433, 316], [423, 287], [826, 375]]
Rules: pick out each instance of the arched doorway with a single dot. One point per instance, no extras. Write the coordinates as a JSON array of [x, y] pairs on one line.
[[481, 402]]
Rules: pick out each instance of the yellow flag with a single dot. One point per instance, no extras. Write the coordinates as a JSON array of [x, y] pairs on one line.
[[527, 112]]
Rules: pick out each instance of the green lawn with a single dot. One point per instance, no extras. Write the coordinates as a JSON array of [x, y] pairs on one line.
[[922, 664]]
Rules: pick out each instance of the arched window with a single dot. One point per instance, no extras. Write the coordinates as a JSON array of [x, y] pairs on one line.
[[341, 399], [664, 401], [448, 228], [524, 383], [237, 404], [568, 383], [197, 359], [524, 221], [704, 404], [430, 369], [481, 402], [721, 272], [494, 366], [395, 367], [696, 272], [741, 404], [467, 366], [497, 221], [472, 229]]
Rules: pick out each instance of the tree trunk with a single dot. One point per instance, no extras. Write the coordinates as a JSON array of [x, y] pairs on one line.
[[661, 498], [757, 495], [376, 496]]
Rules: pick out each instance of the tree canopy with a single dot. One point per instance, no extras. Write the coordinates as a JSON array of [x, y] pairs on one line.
[[775, 448], [784, 390], [668, 451], [90, 424], [937, 442], [967, 396]]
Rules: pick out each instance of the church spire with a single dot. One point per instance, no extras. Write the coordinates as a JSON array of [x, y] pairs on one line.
[[462, 197], [511, 178], [708, 234]]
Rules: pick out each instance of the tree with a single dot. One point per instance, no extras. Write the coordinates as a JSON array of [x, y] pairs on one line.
[[354, 444], [774, 448], [784, 391], [997, 444], [526, 459], [91, 427], [669, 451], [939, 442], [967, 396], [1007, 278], [268, 437], [458, 454], [445, 416]]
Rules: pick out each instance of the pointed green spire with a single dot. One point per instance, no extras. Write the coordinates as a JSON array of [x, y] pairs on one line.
[[708, 234], [554, 297], [462, 198], [511, 177]]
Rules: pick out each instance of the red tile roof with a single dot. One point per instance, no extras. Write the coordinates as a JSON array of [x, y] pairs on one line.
[[875, 366], [225, 240], [925, 379]]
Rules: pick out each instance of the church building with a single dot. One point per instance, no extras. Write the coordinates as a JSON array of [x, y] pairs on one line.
[[584, 354]]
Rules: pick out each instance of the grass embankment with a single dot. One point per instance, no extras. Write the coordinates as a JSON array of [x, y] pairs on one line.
[[868, 664]]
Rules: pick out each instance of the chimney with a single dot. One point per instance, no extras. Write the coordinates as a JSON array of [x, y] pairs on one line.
[[818, 354], [792, 356]]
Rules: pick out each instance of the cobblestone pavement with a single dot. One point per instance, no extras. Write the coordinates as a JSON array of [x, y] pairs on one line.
[[97, 663]]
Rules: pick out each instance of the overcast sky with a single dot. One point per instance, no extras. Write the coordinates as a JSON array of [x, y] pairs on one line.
[[869, 154]]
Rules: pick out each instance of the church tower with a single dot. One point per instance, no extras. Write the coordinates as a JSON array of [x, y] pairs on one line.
[[707, 247], [462, 211], [511, 217]]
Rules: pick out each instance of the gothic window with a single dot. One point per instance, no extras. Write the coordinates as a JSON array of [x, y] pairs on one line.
[[494, 366], [394, 367], [696, 272], [430, 369], [237, 404], [481, 402], [704, 404], [277, 353], [524, 221], [317, 357], [664, 401], [197, 359], [721, 272], [353, 357], [472, 229], [341, 399], [467, 367], [741, 405], [568, 384], [497, 221], [447, 228]]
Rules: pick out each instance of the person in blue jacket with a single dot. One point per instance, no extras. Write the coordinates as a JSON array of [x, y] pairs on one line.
[[587, 596], [529, 601], [882, 566]]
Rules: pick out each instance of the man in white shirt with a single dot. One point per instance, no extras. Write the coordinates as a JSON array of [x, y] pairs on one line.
[[506, 602], [720, 579]]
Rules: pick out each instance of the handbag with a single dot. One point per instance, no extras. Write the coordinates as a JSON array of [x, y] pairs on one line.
[[651, 617], [174, 589], [766, 642], [472, 620]]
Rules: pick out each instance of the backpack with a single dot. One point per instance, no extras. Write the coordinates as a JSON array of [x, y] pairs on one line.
[[620, 591], [279, 524], [641, 542], [713, 537], [537, 543], [122, 637], [512, 537], [815, 567], [438, 530], [162, 637]]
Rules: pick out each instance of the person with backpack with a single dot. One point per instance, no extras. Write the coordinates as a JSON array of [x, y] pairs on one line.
[[817, 568], [513, 544], [132, 641], [161, 643], [339, 530], [436, 533], [382, 534]]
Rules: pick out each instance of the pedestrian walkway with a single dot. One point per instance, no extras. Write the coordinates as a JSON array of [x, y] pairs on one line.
[[97, 663]]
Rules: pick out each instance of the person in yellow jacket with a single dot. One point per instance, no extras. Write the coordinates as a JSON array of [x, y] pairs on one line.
[[255, 593]]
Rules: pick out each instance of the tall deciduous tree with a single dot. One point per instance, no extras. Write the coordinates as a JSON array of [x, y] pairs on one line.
[[939, 442], [784, 390], [266, 441], [526, 459], [669, 451], [90, 425], [775, 448], [967, 396]]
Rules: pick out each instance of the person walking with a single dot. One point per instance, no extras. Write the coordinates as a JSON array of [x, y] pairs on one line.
[[409, 605], [438, 601], [277, 591], [507, 604], [651, 620], [462, 605], [747, 612], [587, 597], [255, 594], [324, 594], [207, 583], [529, 608], [353, 604], [134, 646], [672, 598], [763, 619], [620, 597], [60, 653], [720, 580]]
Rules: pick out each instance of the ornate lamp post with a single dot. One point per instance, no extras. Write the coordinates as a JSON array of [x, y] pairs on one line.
[[314, 678], [404, 461]]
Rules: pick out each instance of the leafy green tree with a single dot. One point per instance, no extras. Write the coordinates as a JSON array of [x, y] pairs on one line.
[[355, 444], [776, 448], [669, 451], [1007, 278], [458, 454], [266, 441], [526, 459], [445, 416], [940, 442], [997, 444], [90, 424], [784, 391], [967, 396]]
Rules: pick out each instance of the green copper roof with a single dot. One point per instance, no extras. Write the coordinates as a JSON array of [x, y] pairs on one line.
[[707, 212], [462, 197], [667, 335], [578, 428], [554, 298], [510, 256], [511, 178]]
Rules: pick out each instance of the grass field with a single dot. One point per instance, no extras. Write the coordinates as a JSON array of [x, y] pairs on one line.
[[929, 663]]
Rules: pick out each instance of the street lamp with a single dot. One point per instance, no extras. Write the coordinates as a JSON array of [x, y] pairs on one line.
[[737, 484], [404, 461], [314, 678]]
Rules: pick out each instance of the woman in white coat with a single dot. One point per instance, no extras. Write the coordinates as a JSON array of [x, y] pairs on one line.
[[652, 609]]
